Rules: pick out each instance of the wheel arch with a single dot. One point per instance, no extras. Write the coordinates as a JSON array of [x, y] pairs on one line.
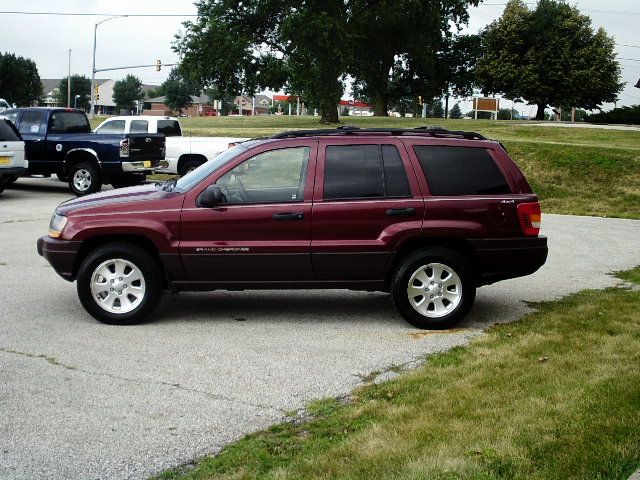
[[458, 245], [187, 157], [78, 155], [91, 243]]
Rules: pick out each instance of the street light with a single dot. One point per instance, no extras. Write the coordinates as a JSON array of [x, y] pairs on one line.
[[93, 68], [75, 101]]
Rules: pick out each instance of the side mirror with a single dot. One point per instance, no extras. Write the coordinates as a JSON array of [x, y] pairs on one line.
[[211, 197]]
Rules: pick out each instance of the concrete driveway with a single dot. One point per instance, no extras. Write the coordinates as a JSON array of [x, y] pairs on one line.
[[84, 400]]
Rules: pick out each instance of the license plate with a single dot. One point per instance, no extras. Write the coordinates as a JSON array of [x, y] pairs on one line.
[[5, 160], [147, 164]]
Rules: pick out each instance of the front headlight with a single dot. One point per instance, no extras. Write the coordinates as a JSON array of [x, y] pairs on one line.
[[57, 224]]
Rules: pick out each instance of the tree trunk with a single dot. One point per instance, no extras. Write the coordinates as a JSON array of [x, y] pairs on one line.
[[540, 112], [380, 108], [329, 111]]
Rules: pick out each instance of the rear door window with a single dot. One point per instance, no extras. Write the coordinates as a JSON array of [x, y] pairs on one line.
[[454, 171], [69, 122], [8, 133], [32, 122], [139, 126], [112, 127], [364, 171], [170, 128]]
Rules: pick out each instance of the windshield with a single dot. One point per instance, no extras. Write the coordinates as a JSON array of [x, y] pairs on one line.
[[196, 176]]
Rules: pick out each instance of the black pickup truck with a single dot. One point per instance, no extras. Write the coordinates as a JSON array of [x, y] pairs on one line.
[[59, 141]]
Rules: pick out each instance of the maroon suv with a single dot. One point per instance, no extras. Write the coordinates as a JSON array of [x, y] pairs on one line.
[[425, 214]]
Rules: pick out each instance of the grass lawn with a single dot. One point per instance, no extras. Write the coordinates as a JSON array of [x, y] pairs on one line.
[[573, 170], [555, 395]]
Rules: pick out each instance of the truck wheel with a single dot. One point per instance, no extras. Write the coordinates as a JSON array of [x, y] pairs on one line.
[[128, 181], [189, 166], [84, 178], [119, 284], [8, 180], [433, 288]]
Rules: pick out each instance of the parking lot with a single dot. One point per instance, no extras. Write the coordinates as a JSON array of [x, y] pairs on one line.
[[85, 400]]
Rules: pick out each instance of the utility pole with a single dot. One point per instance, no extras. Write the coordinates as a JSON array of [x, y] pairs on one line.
[[69, 83], [93, 67]]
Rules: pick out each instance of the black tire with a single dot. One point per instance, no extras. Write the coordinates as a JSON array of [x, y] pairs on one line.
[[188, 166], [62, 177], [144, 303], [7, 180], [425, 263], [88, 181], [1, 188], [128, 181]]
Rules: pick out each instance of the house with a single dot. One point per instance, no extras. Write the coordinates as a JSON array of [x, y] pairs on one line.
[[201, 106], [257, 105]]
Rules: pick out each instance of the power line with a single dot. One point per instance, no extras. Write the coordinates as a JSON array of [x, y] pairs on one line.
[[73, 14]]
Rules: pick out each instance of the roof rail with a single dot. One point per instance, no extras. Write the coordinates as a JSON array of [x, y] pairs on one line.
[[353, 130]]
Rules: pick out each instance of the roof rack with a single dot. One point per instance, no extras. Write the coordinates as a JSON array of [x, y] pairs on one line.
[[353, 130]]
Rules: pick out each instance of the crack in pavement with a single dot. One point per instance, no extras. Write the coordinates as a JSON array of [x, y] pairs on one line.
[[55, 362]]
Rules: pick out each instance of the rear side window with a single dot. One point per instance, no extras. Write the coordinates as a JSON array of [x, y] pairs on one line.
[[112, 127], [364, 171], [8, 133], [31, 122], [170, 128], [453, 171], [69, 122], [139, 126]]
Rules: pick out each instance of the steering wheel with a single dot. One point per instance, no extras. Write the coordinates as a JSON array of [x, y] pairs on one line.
[[241, 190]]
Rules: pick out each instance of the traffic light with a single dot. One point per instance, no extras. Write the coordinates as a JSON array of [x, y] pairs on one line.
[[158, 65], [97, 88]]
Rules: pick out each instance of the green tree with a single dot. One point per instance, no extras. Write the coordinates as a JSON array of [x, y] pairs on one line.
[[436, 109], [401, 45], [456, 112], [80, 85], [19, 80], [549, 56], [244, 46], [178, 91], [127, 91]]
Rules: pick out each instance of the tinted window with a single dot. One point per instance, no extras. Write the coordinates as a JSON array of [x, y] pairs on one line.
[[461, 171], [170, 128], [12, 116], [275, 176], [112, 127], [69, 122], [8, 133], [139, 126], [395, 176], [31, 122], [364, 171]]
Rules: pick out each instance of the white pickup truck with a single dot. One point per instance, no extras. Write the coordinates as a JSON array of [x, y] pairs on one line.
[[183, 153]]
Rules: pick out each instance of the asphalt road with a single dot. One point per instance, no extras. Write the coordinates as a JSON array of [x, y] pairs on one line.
[[79, 399]]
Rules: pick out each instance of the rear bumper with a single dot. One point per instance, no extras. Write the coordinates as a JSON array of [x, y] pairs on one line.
[[13, 171], [500, 259], [61, 254], [144, 166]]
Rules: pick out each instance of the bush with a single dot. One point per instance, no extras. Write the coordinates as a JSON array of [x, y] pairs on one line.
[[481, 115], [622, 115]]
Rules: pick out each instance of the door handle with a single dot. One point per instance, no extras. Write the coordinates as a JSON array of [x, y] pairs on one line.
[[288, 216], [401, 212]]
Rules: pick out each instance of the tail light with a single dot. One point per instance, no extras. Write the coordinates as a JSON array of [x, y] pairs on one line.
[[124, 147], [530, 217]]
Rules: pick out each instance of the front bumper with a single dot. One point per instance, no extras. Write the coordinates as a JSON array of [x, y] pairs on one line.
[[61, 254], [500, 259], [144, 166]]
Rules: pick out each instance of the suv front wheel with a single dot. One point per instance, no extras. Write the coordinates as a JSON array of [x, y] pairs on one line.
[[433, 288], [119, 284]]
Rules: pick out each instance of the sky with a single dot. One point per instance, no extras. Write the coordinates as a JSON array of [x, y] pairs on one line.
[[142, 40]]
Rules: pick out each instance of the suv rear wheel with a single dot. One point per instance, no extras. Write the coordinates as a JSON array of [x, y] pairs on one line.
[[433, 288], [84, 178], [119, 284]]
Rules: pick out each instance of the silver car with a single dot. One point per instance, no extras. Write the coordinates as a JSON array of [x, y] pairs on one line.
[[12, 161]]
